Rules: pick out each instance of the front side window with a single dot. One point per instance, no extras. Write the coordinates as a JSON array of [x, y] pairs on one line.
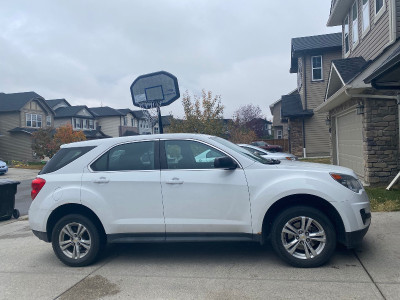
[[365, 15], [127, 157], [355, 22], [346, 35], [190, 155], [48, 120], [316, 66]]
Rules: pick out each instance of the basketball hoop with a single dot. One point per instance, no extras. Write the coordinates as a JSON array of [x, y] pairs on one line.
[[154, 90]]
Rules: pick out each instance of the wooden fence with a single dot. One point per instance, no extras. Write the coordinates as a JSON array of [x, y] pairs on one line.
[[284, 143]]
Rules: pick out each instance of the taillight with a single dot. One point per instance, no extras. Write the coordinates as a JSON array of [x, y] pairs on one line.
[[37, 185]]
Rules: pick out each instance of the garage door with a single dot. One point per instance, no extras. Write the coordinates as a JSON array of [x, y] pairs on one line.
[[350, 142]]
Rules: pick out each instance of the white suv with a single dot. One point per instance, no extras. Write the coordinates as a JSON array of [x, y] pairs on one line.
[[152, 188]]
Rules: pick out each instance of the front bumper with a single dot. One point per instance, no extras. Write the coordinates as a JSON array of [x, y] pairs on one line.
[[41, 235], [353, 239]]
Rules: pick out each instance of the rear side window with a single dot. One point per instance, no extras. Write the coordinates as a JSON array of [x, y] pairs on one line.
[[127, 157], [64, 157]]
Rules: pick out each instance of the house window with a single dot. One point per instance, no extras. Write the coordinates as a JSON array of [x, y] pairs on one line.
[[346, 35], [316, 65], [354, 18], [279, 134], [125, 121], [33, 120], [379, 6], [155, 129], [91, 124], [78, 123], [365, 15], [86, 124], [48, 120], [132, 122]]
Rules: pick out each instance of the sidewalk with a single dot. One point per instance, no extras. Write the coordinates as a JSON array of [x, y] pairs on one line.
[[30, 270]]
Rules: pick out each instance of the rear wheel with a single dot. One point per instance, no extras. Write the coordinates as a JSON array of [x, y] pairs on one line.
[[76, 240], [304, 237]]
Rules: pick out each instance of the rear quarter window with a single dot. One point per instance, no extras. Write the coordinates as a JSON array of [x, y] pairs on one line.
[[64, 157]]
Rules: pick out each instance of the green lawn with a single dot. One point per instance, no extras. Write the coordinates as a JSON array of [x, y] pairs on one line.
[[383, 200]]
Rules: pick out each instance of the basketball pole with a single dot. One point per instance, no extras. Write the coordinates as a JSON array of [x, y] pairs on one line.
[[159, 119]]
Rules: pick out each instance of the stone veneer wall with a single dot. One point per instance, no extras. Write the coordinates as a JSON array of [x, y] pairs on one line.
[[380, 137], [381, 140], [296, 136]]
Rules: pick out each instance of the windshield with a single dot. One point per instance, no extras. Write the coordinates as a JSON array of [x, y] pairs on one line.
[[245, 152]]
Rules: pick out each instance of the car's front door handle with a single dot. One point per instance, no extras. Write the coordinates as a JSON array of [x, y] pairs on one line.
[[174, 181], [101, 180]]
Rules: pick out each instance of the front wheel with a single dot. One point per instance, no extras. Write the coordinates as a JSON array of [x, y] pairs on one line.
[[304, 237], [76, 240]]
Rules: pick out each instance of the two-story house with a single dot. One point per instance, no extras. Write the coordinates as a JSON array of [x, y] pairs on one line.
[[109, 119], [78, 116], [145, 121], [279, 124], [21, 114], [311, 57], [362, 95], [130, 124]]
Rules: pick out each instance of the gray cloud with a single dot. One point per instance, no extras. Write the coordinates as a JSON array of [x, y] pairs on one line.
[[89, 52]]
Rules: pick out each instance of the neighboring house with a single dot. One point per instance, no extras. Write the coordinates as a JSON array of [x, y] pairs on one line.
[[261, 127], [145, 121], [362, 94], [166, 122], [311, 57], [279, 124], [109, 119], [79, 117], [21, 114], [130, 124]]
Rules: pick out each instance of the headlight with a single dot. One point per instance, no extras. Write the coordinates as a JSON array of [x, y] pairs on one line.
[[348, 181]]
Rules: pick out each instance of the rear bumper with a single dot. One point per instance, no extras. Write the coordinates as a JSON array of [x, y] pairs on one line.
[[41, 235], [354, 238]]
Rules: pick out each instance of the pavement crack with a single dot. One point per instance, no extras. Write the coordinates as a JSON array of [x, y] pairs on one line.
[[369, 275]]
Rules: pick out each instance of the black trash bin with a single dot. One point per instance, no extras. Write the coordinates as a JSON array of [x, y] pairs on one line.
[[8, 189]]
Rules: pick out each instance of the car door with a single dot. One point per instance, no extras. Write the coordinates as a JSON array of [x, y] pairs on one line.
[[199, 199], [123, 186]]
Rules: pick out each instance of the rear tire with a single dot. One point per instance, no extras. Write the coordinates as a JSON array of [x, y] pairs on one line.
[[304, 237], [76, 240]]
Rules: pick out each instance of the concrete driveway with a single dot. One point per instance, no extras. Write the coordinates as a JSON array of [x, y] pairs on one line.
[[30, 270]]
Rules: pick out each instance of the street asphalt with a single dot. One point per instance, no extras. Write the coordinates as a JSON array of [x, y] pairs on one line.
[[30, 270]]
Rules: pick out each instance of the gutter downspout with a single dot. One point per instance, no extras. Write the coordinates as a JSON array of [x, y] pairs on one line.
[[398, 116], [305, 104]]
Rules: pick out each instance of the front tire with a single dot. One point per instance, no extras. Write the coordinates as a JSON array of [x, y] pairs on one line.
[[304, 237], [76, 241]]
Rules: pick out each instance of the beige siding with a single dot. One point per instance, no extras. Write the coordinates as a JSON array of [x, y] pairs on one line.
[[316, 130], [110, 125], [62, 122], [375, 40], [14, 146]]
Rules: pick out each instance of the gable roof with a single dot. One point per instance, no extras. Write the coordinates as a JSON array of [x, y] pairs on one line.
[[105, 111], [71, 111], [349, 68], [292, 107], [124, 111], [54, 102], [16, 101], [140, 114], [324, 42]]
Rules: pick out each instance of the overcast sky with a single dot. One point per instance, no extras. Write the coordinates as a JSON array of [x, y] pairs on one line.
[[89, 52]]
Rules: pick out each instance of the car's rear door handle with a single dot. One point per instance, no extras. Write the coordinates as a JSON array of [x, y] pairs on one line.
[[174, 181], [101, 180]]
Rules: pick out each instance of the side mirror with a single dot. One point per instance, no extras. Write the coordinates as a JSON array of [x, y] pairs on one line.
[[225, 162]]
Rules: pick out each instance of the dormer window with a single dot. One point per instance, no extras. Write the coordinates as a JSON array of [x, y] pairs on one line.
[[33, 120], [316, 66], [354, 12], [346, 35]]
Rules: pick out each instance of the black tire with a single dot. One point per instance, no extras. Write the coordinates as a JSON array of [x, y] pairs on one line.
[[76, 253], [301, 242], [16, 213]]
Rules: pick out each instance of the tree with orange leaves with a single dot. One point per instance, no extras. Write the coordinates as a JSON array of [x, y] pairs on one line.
[[65, 135]]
